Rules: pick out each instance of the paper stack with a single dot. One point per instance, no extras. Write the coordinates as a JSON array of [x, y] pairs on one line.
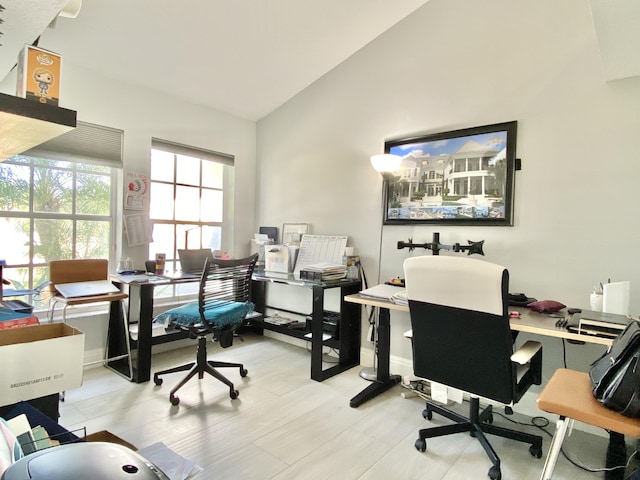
[[172, 465], [324, 272], [390, 293]]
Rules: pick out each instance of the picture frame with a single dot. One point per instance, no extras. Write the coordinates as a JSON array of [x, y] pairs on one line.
[[460, 177], [292, 233]]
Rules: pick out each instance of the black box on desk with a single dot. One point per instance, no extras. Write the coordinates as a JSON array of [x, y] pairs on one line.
[[310, 275], [330, 323]]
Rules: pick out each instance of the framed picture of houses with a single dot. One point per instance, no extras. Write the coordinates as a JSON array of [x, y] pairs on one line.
[[461, 177]]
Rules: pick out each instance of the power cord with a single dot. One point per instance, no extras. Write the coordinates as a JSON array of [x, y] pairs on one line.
[[422, 389], [543, 422]]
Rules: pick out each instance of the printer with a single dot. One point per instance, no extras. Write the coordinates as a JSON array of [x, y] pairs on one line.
[[84, 460]]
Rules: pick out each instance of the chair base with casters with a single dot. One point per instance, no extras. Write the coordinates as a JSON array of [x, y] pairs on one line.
[[200, 367], [477, 425]]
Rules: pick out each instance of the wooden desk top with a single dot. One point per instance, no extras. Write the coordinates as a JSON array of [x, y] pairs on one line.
[[529, 321]]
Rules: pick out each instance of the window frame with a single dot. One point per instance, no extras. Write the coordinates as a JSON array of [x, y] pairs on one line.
[[33, 162], [187, 227]]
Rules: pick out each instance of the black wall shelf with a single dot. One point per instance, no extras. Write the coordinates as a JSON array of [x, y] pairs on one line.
[[25, 124]]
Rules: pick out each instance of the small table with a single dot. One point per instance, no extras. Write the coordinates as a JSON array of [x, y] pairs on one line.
[[348, 342], [568, 395]]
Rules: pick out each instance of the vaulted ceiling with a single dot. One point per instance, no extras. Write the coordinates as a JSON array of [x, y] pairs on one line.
[[244, 57]]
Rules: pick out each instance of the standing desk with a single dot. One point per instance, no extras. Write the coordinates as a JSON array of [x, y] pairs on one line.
[[529, 321]]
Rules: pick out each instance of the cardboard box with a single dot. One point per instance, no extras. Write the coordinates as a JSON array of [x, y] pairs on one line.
[[107, 436], [39, 360], [39, 73]]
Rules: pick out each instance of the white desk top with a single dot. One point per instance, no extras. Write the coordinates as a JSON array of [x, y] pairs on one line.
[[529, 321]]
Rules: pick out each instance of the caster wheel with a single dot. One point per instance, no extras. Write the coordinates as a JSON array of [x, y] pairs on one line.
[[243, 372], [508, 410], [421, 445], [495, 473], [428, 414], [535, 451], [157, 380], [174, 400], [234, 394]]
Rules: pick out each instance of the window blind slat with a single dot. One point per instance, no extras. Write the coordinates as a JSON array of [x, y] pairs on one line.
[[189, 151], [87, 143]]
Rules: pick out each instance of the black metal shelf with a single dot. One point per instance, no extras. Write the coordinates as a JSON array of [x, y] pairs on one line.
[[25, 124]]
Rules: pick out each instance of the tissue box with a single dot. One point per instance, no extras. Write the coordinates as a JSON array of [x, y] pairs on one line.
[[40, 360], [39, 75]]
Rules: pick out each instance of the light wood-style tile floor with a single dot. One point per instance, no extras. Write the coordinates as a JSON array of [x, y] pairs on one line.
[[286, 426]]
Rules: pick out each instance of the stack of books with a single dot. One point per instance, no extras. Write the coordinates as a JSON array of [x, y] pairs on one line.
[[30, 438], [9, 318], [324, 272]]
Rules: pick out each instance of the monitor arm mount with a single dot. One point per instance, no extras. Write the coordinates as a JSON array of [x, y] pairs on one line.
[[435, 246]]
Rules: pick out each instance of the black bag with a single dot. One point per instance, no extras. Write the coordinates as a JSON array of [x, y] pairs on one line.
[[615, 376]]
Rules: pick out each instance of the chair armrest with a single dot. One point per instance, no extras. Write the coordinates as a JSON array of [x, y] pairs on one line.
[[526, 352]]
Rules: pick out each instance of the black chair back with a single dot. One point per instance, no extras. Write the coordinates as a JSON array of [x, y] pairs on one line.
[[461, 335]]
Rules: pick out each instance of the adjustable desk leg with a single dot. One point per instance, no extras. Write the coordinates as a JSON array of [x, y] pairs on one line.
[[384, 381]]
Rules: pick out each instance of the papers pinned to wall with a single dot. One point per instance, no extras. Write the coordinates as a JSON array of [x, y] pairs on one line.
[[138, 228], [137, 191]]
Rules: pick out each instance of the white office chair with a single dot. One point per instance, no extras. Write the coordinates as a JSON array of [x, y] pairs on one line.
[[461, 338]]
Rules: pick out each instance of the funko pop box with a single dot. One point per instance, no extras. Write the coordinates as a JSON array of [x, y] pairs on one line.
[[39, 75]]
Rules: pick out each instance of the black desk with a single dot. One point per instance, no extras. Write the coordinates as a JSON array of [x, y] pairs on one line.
[[348, 342], [140, 306]]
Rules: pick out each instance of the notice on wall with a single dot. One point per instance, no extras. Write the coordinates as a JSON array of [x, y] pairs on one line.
[[137, 193], [138, 229]]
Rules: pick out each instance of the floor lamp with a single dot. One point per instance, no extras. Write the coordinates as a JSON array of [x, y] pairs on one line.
[[387, 165]]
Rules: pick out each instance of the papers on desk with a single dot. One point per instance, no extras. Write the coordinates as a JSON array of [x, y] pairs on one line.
[[157, 330], [173, 465], [390, 293]]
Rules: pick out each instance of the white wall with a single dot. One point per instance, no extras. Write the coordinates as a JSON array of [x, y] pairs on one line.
[[143, 114], [455, 64]]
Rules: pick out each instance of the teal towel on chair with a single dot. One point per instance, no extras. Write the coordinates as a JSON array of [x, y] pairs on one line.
[[225, 313]]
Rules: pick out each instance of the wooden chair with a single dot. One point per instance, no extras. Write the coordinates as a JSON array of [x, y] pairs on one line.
[[568, 395], [88, 270]]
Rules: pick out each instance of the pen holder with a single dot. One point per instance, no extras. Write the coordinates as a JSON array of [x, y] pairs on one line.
[[595, 300]]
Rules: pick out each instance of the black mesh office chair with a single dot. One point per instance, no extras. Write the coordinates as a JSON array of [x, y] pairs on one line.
[[223, 303], [461, 338]]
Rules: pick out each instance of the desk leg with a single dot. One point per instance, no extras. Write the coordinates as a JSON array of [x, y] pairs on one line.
[[317, 318], [384, 381], [616, 456], [142, 365]]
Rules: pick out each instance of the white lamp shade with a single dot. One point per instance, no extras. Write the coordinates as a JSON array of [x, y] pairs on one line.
[[386, 162]]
